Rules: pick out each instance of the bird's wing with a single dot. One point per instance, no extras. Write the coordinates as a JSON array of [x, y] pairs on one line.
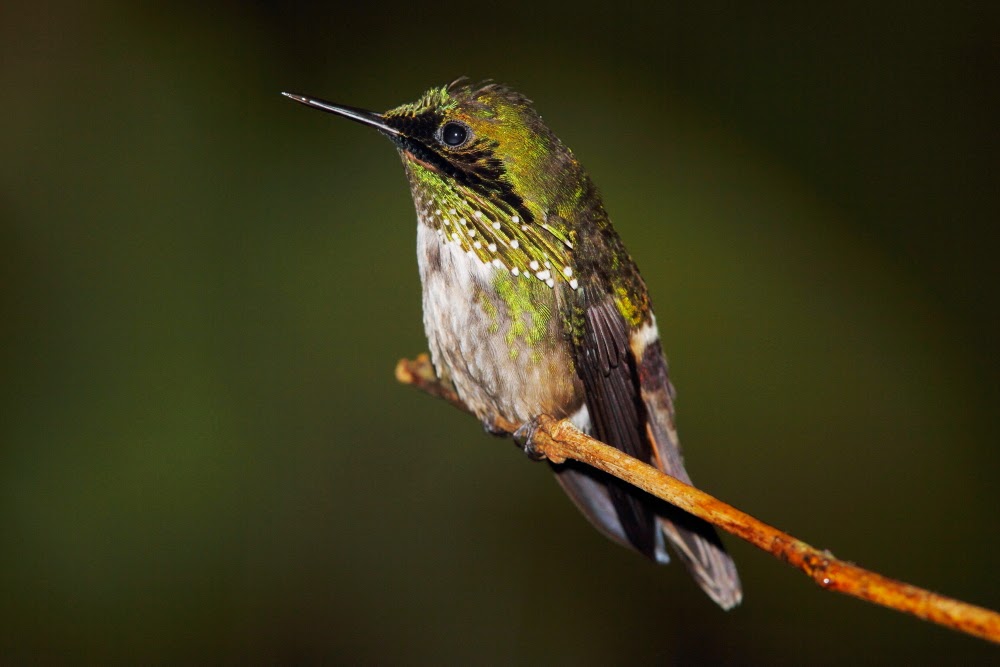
[[605, 366], [629, 400]]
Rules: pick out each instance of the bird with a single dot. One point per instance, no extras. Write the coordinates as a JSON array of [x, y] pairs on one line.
[[532, 305]]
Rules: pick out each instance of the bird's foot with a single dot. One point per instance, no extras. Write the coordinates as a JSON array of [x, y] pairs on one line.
[[524, 437]]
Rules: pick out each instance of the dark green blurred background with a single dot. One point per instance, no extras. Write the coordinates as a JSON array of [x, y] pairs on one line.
[[204, 289]]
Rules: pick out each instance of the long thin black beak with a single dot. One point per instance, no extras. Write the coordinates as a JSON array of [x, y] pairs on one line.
[[360, 115]]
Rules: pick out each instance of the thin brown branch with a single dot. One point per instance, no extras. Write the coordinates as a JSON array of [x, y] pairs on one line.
[[558, 440]]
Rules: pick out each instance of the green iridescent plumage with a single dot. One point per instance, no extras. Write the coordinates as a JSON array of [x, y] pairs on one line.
[[517, 153]]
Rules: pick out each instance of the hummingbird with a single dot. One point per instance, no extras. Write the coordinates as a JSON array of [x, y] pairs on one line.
[[532, 305]]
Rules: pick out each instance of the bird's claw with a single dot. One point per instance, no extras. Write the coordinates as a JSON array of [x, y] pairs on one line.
[[524, 436]]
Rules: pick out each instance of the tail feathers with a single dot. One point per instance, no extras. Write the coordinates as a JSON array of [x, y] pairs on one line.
[[706, 559], [694, 541]]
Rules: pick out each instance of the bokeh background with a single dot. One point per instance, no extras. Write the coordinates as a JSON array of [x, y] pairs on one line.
[[204, 289]]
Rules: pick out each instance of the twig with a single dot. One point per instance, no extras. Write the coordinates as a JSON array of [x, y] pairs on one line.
[[558, 440]]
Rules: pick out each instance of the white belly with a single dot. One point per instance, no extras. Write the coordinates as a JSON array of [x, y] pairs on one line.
[[503, 360]]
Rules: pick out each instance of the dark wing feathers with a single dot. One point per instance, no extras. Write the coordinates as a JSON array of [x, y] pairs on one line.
[[629, 400], [615, 406], [617, 416]]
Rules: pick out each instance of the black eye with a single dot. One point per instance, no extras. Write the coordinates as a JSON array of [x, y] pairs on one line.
[[454, 134]]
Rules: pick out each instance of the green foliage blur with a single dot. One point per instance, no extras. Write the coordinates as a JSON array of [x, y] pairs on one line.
[[204, 288]]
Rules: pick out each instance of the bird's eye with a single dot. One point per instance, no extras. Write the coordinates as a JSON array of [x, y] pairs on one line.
[[455, 134]]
